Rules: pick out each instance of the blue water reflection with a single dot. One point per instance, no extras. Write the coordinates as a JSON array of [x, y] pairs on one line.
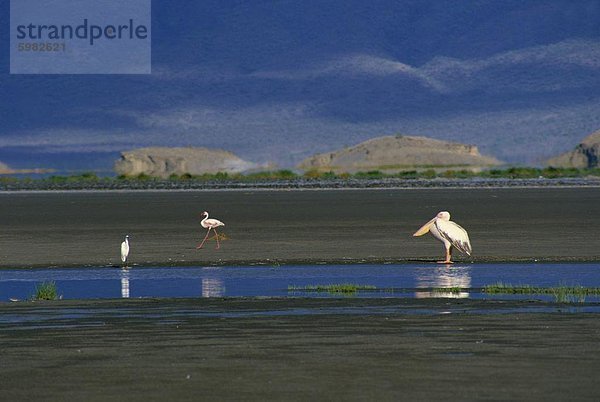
[[409, 280], [438, 277]]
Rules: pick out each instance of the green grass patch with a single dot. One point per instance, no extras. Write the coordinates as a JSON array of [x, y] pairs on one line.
[[342, 288], [427, 174], [318, 175], [371, 174], [46, 291], [454, 290], [284, 174], [84, 177], [562, 294]]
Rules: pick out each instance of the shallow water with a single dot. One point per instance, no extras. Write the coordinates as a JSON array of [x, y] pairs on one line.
[[402, 280]]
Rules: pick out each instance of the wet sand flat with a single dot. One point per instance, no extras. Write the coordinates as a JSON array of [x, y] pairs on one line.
[[261, 349], [306, 226]]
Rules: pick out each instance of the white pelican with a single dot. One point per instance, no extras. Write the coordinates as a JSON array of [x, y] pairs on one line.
[[125, 249], [449, 233], [210, 224]]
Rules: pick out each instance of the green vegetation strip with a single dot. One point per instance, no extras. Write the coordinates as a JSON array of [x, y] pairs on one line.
[[420, 172], [562, 294], [502, 288], [335, 288], [406, 173]]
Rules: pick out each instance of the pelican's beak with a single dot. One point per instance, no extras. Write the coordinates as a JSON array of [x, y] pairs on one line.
[[425, 228]]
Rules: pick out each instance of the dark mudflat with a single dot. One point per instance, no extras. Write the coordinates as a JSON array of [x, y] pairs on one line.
[[295, 226], [267, 349]]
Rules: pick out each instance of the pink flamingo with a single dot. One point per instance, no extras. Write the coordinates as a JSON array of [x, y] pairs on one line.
[[210, 224]]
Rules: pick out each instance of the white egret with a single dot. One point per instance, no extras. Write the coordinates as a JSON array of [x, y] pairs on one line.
[[125, 249], [449, 233], [210, 224]]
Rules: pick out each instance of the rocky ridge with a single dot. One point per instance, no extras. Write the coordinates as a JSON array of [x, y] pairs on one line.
[[585, 155], [163, 162], [397, 153]]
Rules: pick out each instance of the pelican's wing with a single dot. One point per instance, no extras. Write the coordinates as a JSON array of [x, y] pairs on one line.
[[455, 234]]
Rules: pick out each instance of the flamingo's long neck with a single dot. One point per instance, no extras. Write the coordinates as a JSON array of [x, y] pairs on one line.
[[127, 241], [203, 220]]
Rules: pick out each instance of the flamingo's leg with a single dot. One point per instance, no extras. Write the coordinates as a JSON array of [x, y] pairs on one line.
[[217, 237], [205, 237]]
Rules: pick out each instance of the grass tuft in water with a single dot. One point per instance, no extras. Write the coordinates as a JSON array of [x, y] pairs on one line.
[[46, 291], [453, 290], [570, 295], [562, 294], [342, 288]]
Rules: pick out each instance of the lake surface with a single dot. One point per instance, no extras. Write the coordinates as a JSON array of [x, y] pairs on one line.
[[401, 280]]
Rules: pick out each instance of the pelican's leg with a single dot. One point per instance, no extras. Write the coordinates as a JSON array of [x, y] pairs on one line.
[[205, 237], [449, 255], [448, 259], [217, 237]]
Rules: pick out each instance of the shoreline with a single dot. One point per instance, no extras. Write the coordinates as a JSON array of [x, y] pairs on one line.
[[282, 263], [298, 184], [286, 189], [293, 306]]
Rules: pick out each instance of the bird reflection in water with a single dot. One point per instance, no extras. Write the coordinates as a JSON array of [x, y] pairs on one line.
[[212, 287], [444, 282], [125, 283]]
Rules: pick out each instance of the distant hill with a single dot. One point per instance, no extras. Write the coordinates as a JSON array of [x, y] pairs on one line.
[[399, 152], [163, 162], [585, 155], [5, 169]]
